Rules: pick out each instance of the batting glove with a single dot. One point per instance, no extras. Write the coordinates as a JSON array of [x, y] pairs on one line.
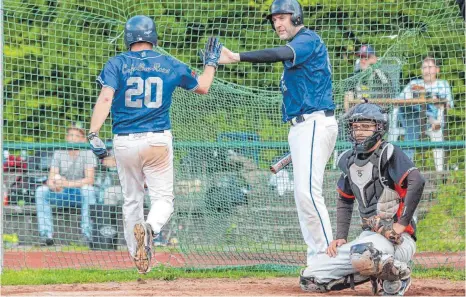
[[97, 145], [212, 52]]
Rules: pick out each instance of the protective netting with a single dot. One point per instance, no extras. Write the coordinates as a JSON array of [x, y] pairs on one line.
[[229, 209]]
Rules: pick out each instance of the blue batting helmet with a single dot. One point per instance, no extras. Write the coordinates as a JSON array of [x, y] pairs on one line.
[[140, 28], [287, 6]]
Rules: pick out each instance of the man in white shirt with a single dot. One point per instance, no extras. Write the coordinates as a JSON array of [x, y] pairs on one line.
[[410, 115]]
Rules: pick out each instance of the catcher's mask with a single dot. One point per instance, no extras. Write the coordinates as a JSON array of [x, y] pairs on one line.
[[140, 28], [366, 112], [289, 7]]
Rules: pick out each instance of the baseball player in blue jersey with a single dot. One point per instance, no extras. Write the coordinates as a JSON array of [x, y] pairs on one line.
[[137, 86], [306, 85], [388, 189]]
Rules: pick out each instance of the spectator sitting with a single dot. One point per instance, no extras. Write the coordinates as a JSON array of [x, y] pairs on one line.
[[410, 116], [374, 84], [70, 184]]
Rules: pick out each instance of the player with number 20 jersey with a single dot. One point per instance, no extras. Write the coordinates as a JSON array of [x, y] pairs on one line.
[[137, 86], [144, 82]]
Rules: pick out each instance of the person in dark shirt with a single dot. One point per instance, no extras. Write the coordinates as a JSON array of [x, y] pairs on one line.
[[371, 81], [388, 189], [308, 107]]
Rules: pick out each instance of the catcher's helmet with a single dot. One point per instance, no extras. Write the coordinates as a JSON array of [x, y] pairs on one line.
[[140, 28], [287, 6], [367, 112]]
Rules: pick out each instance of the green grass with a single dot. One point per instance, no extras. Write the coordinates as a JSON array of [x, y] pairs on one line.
[[442, 273], [443, 228], [73, 276]]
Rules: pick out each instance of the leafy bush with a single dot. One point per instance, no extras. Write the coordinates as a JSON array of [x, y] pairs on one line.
[[55, 49]]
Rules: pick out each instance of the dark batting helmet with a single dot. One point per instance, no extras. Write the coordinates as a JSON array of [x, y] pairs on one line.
[[140, 28], [287, 6], [366, 112]]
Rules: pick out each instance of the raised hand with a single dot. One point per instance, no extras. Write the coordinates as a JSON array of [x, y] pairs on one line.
[[212, 52]]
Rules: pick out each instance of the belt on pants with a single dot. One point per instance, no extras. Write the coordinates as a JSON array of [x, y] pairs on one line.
[[302, 118], [140, 133]]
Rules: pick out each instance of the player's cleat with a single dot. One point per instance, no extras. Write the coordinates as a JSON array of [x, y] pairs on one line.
[[396, 288], [144, 238]]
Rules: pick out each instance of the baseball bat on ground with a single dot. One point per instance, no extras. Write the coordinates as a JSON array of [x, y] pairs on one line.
[[280, 164]]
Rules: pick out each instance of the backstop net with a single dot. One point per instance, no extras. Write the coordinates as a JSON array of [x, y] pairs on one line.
[[229, 209]]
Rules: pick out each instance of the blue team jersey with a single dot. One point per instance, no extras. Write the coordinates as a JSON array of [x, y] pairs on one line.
[[306, 82], [144, 82]]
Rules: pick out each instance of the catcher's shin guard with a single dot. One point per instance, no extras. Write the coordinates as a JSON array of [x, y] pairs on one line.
[[371, 262], [309, 284], [144, 238]]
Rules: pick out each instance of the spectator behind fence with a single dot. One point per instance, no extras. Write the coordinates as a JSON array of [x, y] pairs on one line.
[[371, 83], [70, 184], [410, 116], [111, 187]]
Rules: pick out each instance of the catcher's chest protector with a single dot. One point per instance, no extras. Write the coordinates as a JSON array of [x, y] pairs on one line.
[[370, 185]]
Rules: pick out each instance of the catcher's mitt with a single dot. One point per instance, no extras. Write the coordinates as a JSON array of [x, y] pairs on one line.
[[211, 53], [385, 228]]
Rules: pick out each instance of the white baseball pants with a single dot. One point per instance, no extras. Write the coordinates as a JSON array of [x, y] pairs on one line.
[[311, 145], [145, 158], [325, 268]]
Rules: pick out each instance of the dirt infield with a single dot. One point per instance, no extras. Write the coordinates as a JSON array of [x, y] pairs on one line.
[[221, 287]]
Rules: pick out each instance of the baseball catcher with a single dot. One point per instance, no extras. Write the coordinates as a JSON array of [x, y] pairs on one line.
[[388, 188]]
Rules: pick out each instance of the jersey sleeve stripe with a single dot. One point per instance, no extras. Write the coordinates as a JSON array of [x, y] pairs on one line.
[[101, 82], [344, 195], [195, 88], [405, 175], [294, 53]]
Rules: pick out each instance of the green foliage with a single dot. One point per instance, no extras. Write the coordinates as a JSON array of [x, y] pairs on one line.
[[55, 49], [443, 228]]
